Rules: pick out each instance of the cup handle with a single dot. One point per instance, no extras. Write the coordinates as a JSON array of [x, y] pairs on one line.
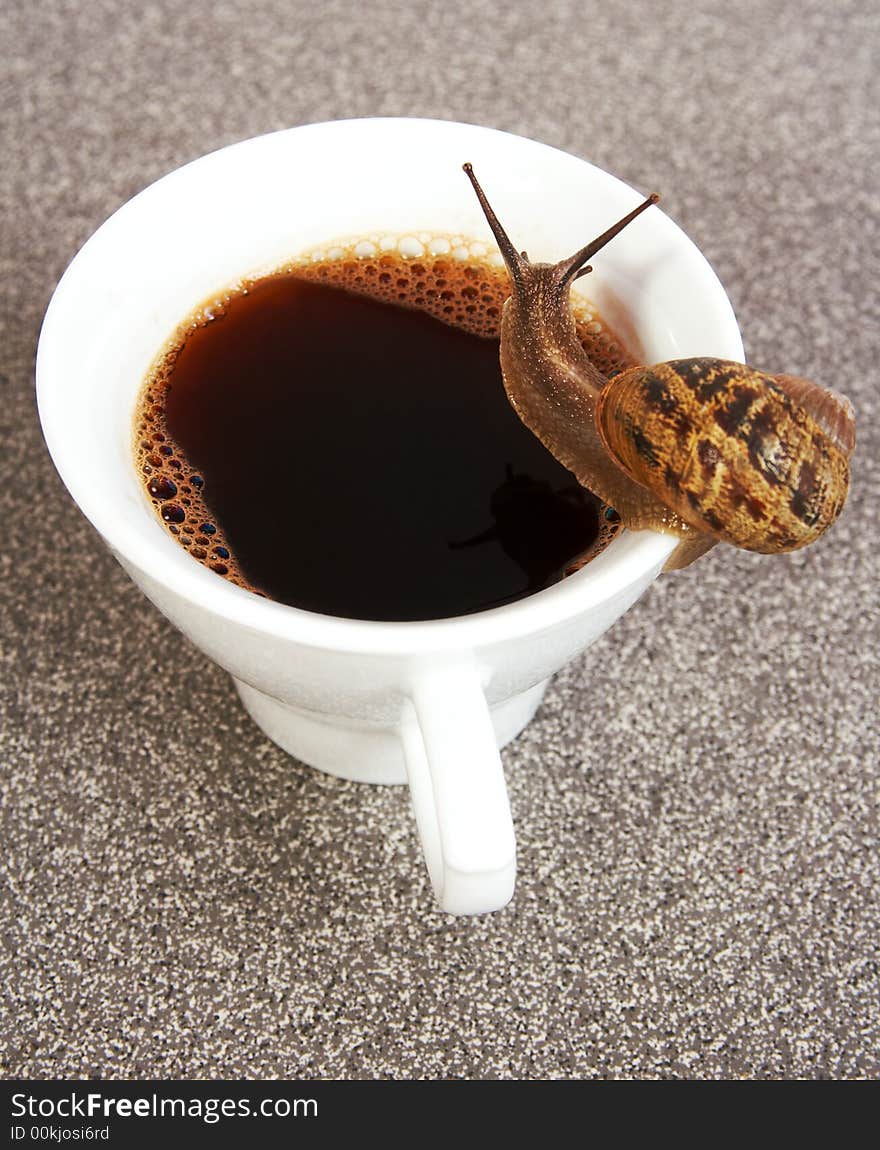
[[458, 792]]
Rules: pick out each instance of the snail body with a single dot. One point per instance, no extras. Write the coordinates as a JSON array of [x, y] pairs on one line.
[[703, 449]]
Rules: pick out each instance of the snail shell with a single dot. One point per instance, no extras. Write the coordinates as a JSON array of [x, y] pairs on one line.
[[755, 460]]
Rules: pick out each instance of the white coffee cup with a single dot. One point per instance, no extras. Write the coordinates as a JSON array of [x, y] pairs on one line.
[[427, 702]]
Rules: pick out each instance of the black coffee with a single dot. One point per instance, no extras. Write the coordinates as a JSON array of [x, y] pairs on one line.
[[357, 456]]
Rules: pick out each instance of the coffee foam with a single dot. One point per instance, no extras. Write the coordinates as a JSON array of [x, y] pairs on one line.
[[456, 280]]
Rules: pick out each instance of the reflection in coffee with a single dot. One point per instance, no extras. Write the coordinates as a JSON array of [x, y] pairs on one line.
[[336, 437]]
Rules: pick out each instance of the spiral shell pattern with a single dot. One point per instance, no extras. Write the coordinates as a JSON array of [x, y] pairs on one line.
[[727, 448]]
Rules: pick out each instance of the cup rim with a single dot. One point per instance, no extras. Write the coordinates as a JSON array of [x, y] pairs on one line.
[[628, 560]]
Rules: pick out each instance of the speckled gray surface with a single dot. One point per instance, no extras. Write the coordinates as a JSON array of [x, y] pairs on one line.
[[696, 801]]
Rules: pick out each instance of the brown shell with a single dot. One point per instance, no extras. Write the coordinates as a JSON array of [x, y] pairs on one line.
[[736, 455]]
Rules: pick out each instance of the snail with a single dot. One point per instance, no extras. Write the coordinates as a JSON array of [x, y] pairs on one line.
[[704, 449]]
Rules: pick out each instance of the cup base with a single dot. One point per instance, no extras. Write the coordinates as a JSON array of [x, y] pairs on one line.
[[358, 751]]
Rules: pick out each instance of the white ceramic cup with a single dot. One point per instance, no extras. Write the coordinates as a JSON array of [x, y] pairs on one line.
[[427, 702]]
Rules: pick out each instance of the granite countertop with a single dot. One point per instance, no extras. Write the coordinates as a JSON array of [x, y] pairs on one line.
[[696, 800]]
